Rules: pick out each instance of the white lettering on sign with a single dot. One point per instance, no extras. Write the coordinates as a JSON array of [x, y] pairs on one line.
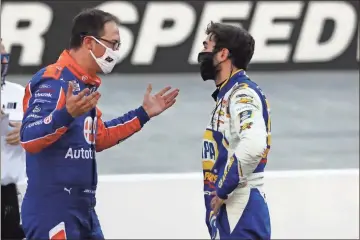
[[309, 49], [152, 34], [127, 14], [264, 28], [217, 12], [30, 38], [186, 27]]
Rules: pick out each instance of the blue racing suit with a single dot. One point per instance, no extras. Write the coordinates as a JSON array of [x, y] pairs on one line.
[[60, 153], [235, 149]]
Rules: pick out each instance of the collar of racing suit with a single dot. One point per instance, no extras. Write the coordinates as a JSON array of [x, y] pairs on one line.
[[65, 60], [221, 85]]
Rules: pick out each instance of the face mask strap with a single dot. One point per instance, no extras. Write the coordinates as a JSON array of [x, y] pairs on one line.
[[217, 50], [228, 57], [106, 48], [108, 60], [98, 41]]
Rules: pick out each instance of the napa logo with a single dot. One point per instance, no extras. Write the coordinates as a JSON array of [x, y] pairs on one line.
[[209, 150]]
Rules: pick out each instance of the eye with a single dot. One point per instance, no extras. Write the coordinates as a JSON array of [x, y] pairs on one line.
[[117, 45]]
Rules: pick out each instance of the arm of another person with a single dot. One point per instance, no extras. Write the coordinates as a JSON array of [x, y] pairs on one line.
[[16, 91]]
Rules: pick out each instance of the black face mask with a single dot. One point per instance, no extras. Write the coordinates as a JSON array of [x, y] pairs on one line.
[[207, 69]]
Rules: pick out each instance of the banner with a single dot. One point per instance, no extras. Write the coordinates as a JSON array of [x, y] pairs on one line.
[[166, 36]]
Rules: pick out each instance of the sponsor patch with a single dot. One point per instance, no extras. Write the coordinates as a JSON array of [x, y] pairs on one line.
[[245, 115], [242, 95], [37, 123], [36, 109], [43, 94], [245, 126], [33, 116], [210, 177], [44, 86], [92, 89], [221, 113], [245, 108], [90, 125], [41, 101], [81, 153], [11, 105], [48, 119], [76, 85], [45, 90], [245, 100]]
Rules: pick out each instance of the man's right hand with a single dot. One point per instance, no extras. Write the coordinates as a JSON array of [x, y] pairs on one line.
[[13, 137], [2, 48], [79, 104]]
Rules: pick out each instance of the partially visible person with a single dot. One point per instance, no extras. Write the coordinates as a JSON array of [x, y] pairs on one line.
[[12, 154], [237, 139], [63, 129]]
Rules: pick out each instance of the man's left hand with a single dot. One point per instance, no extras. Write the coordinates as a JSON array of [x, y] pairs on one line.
[[216, 203], [13, 137], [156, 104]]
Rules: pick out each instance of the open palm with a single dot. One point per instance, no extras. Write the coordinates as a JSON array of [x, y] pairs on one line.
[[156, 104]]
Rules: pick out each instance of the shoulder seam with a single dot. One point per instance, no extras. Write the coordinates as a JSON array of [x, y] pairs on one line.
[[34, 85], [236, 88], [53, 71]]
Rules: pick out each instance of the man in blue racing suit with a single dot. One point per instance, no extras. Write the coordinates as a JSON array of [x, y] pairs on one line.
[[62, 129], [237, 139]]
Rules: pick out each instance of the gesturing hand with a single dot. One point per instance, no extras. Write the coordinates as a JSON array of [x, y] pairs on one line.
[[156, 104], [77, 105]]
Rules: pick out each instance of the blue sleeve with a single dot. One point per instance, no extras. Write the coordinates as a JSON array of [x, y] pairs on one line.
[[45, 116], [111, 132], [230, 178]]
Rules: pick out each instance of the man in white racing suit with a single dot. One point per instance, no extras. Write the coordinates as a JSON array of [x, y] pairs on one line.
[[12, 154], [237, 139]]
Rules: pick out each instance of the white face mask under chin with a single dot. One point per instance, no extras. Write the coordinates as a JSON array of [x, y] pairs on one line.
[[108, 61]]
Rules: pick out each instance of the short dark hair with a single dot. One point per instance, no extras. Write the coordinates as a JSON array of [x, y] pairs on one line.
[[237, 40], [89, 22]]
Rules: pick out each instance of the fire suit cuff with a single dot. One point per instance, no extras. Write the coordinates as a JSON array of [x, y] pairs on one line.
[[221, 193], [62, 117], [142, 115]]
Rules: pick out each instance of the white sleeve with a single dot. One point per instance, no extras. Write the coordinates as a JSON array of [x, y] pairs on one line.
[[246, 113]]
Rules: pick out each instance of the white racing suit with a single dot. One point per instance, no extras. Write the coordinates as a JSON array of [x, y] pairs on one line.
[[235, 148]]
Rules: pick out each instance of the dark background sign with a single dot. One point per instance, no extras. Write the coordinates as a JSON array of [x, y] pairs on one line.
[[165, 36]]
